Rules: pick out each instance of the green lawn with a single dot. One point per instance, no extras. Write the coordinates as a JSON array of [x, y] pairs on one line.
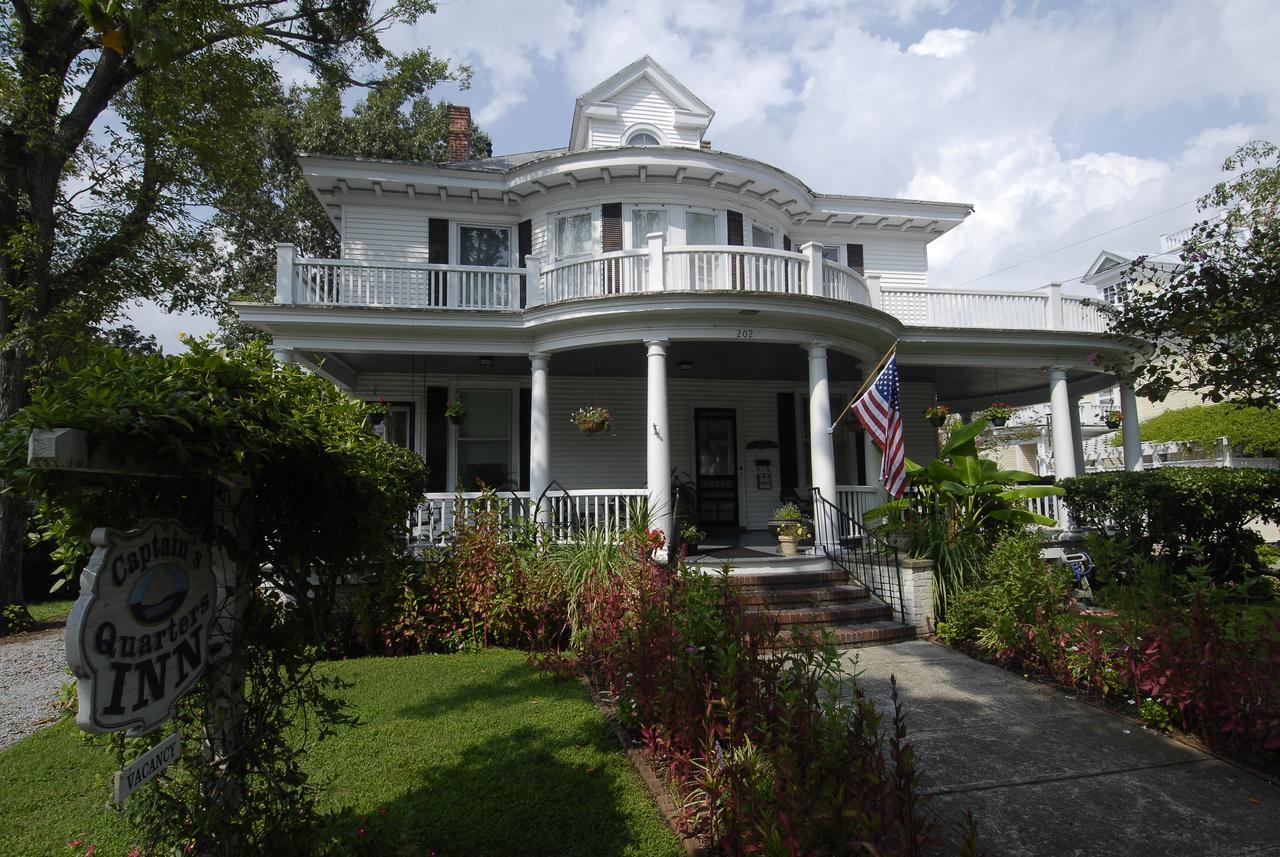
[[51, 611], [469, 754]]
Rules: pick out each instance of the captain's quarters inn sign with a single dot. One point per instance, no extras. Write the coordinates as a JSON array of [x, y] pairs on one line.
[[138, 636]]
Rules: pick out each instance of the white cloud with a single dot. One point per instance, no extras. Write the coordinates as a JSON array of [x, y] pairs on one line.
[[943, 43]]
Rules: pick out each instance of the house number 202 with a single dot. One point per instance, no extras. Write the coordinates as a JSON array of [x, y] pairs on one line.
[[746, 333]]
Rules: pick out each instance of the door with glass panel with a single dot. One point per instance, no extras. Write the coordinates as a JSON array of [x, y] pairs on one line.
[[716, 448], [484, 441], [701, 268], [487, 247]]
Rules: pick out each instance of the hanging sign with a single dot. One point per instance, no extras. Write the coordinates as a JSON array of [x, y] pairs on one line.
[[138, 636], [146, 767]]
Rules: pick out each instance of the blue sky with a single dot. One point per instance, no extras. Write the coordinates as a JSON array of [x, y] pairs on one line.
[[1057, 120]]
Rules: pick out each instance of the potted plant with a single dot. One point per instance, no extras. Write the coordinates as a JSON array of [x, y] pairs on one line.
[[790, 534], [1113, 419], [379, 412], [691, 535], [997, 413], [591, 419], [937, 415], [456, 411]]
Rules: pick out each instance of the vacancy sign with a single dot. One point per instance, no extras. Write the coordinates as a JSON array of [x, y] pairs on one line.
[[138, 637], [146, 767]]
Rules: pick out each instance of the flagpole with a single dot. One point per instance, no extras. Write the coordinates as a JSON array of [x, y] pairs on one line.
[[871, 376]]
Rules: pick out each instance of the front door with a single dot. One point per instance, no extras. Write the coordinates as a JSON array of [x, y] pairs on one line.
[[716, 436]]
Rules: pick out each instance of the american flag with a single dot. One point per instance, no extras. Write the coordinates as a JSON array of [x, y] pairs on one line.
[[879, 410]]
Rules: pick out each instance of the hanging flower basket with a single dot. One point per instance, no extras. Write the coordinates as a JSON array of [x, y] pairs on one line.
[[937, 415], [591, 419], [1113, 419], [376, 417], [997, 413], [456, 411]]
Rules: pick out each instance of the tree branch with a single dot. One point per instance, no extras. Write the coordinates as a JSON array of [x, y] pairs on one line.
[[23, 11]]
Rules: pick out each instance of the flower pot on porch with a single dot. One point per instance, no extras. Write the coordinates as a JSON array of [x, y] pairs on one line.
[[787, 545], [999, 422], [592, 426], [1113, 424], [376, 419], [937, 421], [457, 420]]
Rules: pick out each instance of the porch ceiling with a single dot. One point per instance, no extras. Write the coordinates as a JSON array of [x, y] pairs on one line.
[[979, 386], [761, 361]]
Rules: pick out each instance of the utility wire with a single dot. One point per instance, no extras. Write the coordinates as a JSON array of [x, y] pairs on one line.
[[1073, 244]]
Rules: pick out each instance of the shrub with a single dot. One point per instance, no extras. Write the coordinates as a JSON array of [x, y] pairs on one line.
[[1253, 431], [764, 746], [1169, 510], [1017, 589]]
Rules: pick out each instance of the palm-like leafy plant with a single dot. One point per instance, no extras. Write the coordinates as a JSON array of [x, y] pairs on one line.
[[960, 504]]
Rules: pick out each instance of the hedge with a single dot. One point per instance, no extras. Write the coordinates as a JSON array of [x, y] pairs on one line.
[[1171, 509]]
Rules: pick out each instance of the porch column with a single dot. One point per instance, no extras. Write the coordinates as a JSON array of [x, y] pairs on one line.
[[821, 452], [658, 449], [539, 434], [284, 356], [1077, 436], [1064, 450], [1129, 423]]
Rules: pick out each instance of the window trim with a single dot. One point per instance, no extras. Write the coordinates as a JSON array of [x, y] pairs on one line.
[[643, 128], [752, 224], [722, 226]]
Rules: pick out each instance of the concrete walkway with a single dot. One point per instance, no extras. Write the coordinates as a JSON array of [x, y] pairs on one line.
[[1047, 775]]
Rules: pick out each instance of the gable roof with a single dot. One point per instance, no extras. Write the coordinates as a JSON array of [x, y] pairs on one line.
[[647, 68]]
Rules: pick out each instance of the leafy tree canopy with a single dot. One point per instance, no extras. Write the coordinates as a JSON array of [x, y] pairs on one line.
[[1254, 431], [1213, 323]]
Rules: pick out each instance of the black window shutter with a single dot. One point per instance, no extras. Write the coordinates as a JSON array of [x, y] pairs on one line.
[[853, 253], [526, 418], [611, 242], [786, 243], [438, 241], [735, 228], [437, 451], [524, 247], [611, 226], [788, 477]]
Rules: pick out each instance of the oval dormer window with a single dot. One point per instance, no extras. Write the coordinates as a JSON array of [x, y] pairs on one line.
[[643, 138]]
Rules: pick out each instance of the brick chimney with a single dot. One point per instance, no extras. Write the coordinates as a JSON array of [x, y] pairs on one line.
[[459, 136]]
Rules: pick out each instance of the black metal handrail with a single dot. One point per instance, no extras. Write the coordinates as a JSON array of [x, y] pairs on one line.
[[863, 556]]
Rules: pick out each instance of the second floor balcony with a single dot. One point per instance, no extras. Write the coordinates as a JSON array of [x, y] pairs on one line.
[[662, 268]]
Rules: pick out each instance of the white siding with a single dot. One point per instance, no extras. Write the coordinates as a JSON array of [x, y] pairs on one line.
[[641, 104], [899, 263], [385, 234]]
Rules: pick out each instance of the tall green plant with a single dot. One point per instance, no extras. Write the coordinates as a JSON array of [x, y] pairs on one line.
[[959, 505]]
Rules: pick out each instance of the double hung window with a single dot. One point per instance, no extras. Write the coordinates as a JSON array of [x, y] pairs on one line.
[[573, 234]]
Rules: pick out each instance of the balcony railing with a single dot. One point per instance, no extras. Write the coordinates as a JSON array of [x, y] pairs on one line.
[[661, 268]]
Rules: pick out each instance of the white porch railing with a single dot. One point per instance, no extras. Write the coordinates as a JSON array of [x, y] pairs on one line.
[[1050, 507], [341, 282], [609, 274], [844, 284], [744, 269], [854, 500], [948, 308], [661, 267], [566, 512]]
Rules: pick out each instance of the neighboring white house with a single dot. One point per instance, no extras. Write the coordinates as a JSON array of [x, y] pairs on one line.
[[719, 307]]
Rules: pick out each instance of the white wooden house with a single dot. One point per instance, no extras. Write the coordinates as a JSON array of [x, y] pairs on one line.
[[719, 307]]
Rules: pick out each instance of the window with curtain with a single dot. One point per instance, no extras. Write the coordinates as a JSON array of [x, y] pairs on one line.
[[761, 237], [699, 228], [573, 235], [645, 221]]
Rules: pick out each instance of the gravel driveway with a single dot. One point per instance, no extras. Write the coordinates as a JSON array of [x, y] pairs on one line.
[[32, 669]]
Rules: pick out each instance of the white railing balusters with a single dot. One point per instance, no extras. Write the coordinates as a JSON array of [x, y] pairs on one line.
[[854, 500], [343, 282], [571, 512]]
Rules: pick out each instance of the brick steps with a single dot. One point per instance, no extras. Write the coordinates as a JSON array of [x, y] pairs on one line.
[[809, 601]]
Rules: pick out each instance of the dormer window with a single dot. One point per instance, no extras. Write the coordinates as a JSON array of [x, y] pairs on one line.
[[643, 138]]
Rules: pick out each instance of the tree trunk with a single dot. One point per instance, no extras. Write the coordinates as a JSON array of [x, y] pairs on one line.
[[224, 739], [13, 509]]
